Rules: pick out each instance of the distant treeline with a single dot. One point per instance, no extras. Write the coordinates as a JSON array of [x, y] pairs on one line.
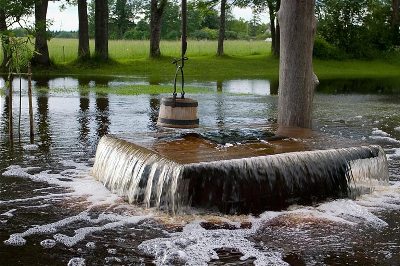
[[127, 23], [345, 28]]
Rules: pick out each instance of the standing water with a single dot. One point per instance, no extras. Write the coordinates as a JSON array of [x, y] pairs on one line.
[[53, 211]]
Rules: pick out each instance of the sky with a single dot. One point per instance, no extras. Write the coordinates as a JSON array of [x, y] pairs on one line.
[[67, 19]]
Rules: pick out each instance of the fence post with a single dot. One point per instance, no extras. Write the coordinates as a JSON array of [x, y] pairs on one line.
[[31, 130]]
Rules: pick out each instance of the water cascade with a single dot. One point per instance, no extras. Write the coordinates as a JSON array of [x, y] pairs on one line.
[[147, 175]]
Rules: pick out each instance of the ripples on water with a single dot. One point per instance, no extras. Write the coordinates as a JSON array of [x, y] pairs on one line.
[[52, 212]]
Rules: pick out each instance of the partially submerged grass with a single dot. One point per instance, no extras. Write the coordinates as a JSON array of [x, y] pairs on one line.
[[122, 90]]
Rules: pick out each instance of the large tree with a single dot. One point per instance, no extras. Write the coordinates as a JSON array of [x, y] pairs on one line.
[[273, 7], [222, 22], [395, 21], [41, 56], [157, 8], [83, 48], [4, 37], [297, 80], [101, 29]]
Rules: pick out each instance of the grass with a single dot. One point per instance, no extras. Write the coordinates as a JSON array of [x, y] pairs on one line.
[[123, 90], [243, 60], [64, 51]]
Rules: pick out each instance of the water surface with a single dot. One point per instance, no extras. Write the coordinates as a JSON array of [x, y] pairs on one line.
[[49, 184]]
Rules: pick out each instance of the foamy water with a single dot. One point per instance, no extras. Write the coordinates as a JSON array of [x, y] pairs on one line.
[[194, 245]]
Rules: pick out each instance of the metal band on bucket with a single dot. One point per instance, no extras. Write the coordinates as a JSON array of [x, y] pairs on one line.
[[178, 122], [178, 103]]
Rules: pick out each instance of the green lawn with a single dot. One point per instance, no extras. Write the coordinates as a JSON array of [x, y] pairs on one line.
[[244, 59]]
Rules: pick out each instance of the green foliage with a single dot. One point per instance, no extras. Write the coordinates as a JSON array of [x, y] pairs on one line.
[[136, 35], [325, 50], [360, 28], [205, 34], [20, 51]]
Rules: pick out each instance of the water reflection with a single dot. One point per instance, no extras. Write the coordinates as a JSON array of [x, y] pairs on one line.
[[102, 114], [43, 121], [240, 86], [153, 111], [220, 112], [83, 117]]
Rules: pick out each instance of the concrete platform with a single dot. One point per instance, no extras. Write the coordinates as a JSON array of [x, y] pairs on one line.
[[172, 172]]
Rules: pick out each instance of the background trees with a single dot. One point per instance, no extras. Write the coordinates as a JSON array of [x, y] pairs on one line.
[[346, 28], [101, 29], [358, 28]]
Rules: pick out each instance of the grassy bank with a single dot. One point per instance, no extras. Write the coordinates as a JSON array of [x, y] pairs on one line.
[[245, 59], [122, 90]]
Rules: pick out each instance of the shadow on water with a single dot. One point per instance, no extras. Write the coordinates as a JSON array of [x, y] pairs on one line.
[[238, 86], [43, 121], [102, 114], [153, 111], [359, 86], [83, 117]]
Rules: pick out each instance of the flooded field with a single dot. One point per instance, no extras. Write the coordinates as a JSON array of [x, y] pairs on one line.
[[53, 212]]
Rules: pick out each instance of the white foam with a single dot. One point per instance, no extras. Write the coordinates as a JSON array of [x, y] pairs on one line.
[[9, 213], [81, 233], [388, 140], [78, 181], [397, 129], [351, 211], [378, 132], [196, 246], [112, 251], [30, 147], [77, 262], [18, 239], [48, 243], [110, 260], [393, 153], [91, 245]]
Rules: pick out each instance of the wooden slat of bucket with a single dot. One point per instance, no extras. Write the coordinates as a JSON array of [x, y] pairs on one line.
[[178, 113]]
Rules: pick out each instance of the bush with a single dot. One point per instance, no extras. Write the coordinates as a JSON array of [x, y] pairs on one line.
[[136, 35], [231, 35], [205, 34], [325, 50], [173, 35]]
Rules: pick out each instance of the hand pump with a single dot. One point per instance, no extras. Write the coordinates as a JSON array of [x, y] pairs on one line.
[[179, 112]]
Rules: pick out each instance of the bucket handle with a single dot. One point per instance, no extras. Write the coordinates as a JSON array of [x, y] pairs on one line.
[[179, 68]]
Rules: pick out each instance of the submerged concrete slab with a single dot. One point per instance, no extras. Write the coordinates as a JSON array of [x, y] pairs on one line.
[[171, 172]]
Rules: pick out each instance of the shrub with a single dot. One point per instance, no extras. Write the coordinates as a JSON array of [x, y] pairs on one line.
[[325, 50], [136, 35]]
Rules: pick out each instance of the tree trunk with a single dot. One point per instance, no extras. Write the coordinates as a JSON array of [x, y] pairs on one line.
[[156, 12], [297, 80], [272, 29], [4, 38], [83, 49], [277, 39], [273, 8], [41, 56], [277, 31], [221, 36], [395, 21], [101, 29]]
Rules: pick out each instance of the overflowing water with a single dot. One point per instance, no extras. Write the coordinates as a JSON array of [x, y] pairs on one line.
[[53, 211], [248, 184]]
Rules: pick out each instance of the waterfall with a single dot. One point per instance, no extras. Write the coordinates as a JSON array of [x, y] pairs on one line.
[[254, 184], [138, 174], [276, 181]]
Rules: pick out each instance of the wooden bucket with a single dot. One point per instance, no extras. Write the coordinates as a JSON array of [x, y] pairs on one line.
[[178, 113]]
